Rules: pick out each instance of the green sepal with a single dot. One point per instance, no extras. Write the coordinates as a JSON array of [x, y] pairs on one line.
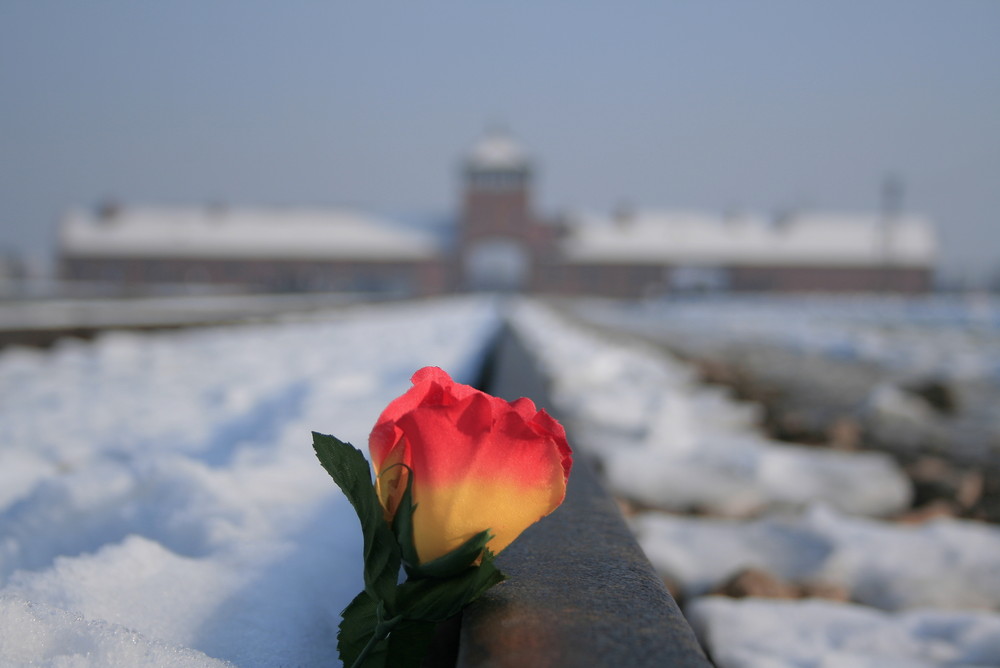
[[435, 600], [402, 526], [444, 566], [455, 562], [349, 469]]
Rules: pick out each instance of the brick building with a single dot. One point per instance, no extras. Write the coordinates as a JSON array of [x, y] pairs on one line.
[[498, 242], [257, 249]]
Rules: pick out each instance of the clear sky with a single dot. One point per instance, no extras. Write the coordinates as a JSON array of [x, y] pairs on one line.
[[700, 104]]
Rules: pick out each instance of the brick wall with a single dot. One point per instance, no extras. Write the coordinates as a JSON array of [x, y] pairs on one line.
[[404, 277]]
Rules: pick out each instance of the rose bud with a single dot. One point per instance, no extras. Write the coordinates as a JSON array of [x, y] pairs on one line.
[[477, 462]]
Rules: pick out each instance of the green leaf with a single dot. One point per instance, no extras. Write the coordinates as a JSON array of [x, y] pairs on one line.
[[435, 600], [456, 561], [349, 469], [356, 628]]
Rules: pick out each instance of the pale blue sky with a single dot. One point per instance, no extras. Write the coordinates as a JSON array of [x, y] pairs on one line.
[[700, 104]]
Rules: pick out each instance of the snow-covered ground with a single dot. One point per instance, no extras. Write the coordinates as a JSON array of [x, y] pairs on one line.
[[944, 563], [944, 336], [667, 442], [913, 375], [160, 503], [758, 633], [69, 314]]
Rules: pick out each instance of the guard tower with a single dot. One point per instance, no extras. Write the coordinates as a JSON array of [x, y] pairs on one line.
[[498, 236]]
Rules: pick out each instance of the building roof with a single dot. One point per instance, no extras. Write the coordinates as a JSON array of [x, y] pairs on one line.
[[243, 233], [643, 237], [806, 239]]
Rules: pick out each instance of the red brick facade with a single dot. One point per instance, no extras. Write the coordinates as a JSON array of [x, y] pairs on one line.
[[643, 280], [404, 278], [497, 219], [829, 279]]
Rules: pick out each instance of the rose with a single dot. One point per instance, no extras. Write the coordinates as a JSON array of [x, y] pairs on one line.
[[477, 462], [459, 476]]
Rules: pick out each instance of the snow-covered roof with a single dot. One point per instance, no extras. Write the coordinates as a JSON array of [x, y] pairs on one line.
[[697, 238], [497, 150], [243, 233]]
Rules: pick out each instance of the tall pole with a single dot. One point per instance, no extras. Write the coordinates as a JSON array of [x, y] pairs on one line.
[[891, 207]]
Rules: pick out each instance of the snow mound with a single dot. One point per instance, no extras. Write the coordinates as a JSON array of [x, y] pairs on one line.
[[167, 507], [37, 635], [758, 633], [665, 441], [944, 563], [952, 337]]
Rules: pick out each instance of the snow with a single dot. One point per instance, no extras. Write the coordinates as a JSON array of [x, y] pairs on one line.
[[244, 233], [923, 595], [758, 633], [946, 336], [945, 563], [497, 150], [702, 239], [37, 635], [167, 311], [665, 441], [918, 374], [160, 503]]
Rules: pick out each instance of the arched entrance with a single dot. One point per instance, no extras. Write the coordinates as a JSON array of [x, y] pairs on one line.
[[499, 265]]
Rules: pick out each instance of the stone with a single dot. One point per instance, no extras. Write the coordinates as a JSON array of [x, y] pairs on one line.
[[825, 590], [934, 479], [756, 582], [929, 511], [937, 394], [844, 434], [970, 489]]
